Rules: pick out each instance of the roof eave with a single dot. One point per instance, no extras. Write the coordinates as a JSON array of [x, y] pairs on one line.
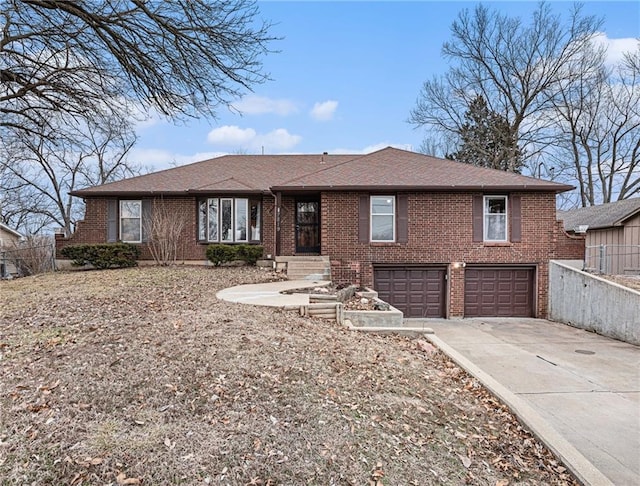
[[622, 220], [453, 188], [88, 193]]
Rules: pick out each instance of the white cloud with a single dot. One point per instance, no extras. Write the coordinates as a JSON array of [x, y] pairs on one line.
[[235, 137], [324, 111], [260, 105], [231, 135], [372, 148], [616, 47], [279, 139]]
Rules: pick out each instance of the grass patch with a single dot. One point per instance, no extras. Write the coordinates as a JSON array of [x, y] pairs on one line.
[[155, 381]]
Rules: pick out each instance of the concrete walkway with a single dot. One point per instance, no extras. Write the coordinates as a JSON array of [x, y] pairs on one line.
[[577, 391], [269, 293]]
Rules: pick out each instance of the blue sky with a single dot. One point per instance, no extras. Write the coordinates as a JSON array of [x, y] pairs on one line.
[[345, 79]]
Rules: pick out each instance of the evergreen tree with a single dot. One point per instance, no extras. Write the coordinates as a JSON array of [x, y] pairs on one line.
[[486, 139]]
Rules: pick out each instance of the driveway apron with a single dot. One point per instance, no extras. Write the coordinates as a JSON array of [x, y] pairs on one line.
[[581, 387]]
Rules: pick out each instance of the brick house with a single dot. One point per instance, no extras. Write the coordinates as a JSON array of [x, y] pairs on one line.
[[436, 238]]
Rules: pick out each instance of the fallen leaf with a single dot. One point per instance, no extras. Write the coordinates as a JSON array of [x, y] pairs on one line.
[[466, 462], [123, 480]]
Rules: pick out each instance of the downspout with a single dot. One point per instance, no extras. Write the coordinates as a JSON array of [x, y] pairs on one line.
[[278, 203]]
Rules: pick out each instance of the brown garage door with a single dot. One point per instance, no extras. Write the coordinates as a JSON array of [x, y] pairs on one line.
[[498, 292], [416, 291]]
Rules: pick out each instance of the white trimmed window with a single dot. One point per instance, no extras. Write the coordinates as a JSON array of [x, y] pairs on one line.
[[131, 221], [383, 216], [225, 220], [495, 218]]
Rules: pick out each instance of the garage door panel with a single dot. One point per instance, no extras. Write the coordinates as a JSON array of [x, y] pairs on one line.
[[506, 292], [416, 291]]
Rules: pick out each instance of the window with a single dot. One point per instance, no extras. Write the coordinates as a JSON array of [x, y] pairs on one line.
[[213, 220], [495, 218], [131, 221], [383, 212], [227, 219], [240, 221], [255, 220]]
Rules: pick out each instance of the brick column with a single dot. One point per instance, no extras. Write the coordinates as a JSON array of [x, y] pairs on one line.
[[456, 291]]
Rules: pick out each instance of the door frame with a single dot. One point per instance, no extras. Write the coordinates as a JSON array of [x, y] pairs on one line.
[[307, 250]]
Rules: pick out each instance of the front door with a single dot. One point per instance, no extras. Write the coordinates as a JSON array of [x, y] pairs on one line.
[[307, 226]]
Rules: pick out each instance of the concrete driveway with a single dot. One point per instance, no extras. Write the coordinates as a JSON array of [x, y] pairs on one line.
[[578, 391]]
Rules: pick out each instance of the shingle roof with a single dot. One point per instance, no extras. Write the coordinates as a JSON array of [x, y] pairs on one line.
[[601, 216], [386, 169], [396, 169], [230, 173]]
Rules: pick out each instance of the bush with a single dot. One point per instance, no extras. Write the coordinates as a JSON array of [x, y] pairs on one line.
[[221, 253], [250, 253], [218, 254], [103, 255]]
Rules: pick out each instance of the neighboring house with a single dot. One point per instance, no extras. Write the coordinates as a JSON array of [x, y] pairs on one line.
[[436, 238], [612, 235], [9, 239]]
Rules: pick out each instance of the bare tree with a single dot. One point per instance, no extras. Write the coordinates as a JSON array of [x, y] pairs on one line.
[[39, 169], [598, 129], [182, 58], [515, 67], [164, 233]]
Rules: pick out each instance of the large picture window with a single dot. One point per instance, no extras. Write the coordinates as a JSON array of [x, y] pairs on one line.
[[383, 214], [495, 218], [131, 221], [229, 220]]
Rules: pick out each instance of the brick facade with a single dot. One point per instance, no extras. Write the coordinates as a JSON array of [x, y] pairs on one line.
[[439, 232]]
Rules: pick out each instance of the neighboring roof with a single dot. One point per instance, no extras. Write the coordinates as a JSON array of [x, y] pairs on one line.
[[386, 169], [601, 216], [6, 228]]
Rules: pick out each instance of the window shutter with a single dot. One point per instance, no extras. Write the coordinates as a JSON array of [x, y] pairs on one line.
[[403, 218], [147, 209], [363, 219], [516, 219], [478, 217], [112, 220]]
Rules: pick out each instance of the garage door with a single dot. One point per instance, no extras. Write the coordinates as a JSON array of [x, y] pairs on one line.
[[416, 291], [498, 292]]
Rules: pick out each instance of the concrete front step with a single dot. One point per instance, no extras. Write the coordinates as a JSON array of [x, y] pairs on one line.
[[305, 267], [308, 270]]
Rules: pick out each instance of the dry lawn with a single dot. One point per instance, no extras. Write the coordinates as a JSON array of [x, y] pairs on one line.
[[630, 281], [141, 376]]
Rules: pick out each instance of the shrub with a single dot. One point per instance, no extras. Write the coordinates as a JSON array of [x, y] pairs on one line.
[[103, 255], [218, 254], [31, 256], [250, 253], [221, 253]]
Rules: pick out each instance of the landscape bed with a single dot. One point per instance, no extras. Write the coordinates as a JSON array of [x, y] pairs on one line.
[[141, 376]]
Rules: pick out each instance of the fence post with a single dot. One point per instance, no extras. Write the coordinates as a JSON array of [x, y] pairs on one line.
[[3, 264], [603, 250]]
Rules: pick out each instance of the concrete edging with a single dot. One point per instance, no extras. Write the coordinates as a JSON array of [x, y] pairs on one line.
[[579, 465]]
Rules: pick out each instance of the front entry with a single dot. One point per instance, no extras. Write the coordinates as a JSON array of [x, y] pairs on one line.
[[307, 226]]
